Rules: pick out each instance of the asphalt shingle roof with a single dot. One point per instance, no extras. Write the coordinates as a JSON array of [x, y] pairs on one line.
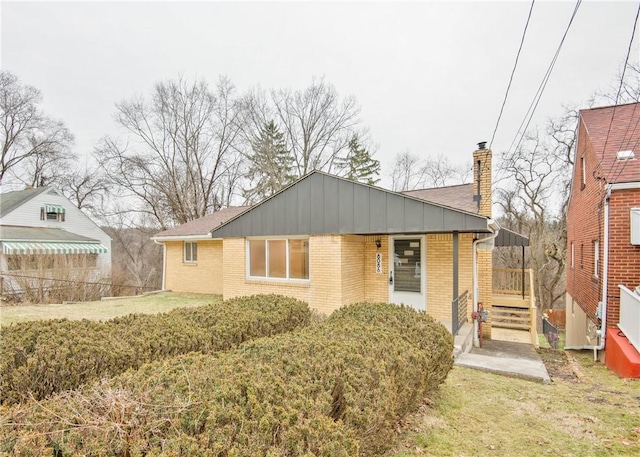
[[12, 200], [20, 233], [613, 129], [204, 225], [458, 197]]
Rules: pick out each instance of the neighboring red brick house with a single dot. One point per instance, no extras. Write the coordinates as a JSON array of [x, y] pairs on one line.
[[601, 254]]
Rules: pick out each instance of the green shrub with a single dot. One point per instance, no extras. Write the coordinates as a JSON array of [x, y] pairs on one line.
[[43, 357], [332, 389]]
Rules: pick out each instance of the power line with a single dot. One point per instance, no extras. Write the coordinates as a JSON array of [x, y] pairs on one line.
[[624, 69], [536, 99], [515, 65]]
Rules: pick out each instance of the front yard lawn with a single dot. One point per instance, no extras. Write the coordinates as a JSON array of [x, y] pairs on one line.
[[586, 411], [106, 309]]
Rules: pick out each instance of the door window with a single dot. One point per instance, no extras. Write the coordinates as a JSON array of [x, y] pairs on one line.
[[407, 262]]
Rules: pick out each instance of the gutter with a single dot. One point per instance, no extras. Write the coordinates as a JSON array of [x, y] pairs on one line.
[[494, 228], [182, 237]]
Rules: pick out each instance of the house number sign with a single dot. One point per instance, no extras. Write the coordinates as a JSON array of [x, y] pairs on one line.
[[378, 263]]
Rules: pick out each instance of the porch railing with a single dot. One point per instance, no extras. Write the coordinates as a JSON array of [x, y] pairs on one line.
[[511, 281], [630, 316], [459, 312]]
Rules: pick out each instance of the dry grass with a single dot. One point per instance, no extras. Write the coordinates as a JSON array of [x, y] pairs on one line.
[[480, 414], [107, 309]]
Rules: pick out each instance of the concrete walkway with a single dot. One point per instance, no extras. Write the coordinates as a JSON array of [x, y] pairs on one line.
[[519, 360]]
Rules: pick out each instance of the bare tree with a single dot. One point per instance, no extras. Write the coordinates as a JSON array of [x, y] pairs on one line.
[[27, 135], [182, 147], [533, 198], [87, 190], [409, 171], [317, 124]]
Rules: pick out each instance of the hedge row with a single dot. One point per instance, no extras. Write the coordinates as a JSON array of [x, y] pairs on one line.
[[333, 389], [44, 357]]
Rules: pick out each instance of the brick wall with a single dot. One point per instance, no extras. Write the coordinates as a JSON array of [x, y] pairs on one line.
[[440, 272], [624, 258], [325, 267], [584, 226], [482, 162], [203, 276], [376, 285], [353, 268]]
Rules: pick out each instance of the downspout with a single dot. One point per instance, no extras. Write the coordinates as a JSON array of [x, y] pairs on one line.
[[605, 283], [494, 228], [164, 260]]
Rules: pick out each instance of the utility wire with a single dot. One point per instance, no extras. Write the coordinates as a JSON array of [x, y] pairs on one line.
[[536, 99], [624, 69], [515, 65]]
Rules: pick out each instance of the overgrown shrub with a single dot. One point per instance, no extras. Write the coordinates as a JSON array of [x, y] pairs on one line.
[[42, 357], [333, 389]]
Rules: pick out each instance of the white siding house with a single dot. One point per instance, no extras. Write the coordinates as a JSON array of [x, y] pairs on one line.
[[41, 232]]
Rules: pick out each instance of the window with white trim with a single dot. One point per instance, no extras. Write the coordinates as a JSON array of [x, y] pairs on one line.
[[190, 252], [278, 258], [573, 255], [584, 172], [596, 257]]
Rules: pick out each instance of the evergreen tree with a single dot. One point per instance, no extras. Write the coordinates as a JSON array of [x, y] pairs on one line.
[[359, 165], [270, 164]]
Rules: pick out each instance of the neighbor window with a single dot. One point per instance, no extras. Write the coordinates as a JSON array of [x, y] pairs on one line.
[[573, 255], [52, 213], [278, 258], [596, 257], [584, 172], [190, 251]]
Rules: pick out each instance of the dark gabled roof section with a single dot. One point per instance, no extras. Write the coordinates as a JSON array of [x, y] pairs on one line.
[[204, 225], [612, 129], [320, 203], [458, 197], [20, 233], [508, 237], [12, 200]]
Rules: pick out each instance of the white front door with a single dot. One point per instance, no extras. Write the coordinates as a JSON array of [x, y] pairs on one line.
[[408, 271]]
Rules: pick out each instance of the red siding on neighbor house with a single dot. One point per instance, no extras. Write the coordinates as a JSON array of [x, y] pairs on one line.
[[624, 258], [584, 226]]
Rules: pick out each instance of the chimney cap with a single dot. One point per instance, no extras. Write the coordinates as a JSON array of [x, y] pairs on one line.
[[482, 145]]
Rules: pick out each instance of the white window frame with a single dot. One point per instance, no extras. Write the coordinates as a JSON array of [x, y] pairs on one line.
[[190, 258], [584, 172], [273, 238], [573, 255], [596, 257]]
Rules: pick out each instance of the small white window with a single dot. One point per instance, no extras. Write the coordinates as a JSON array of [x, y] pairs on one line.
[[635, 226], [596, 257], [573, 255], [190, 251], [584, 172]]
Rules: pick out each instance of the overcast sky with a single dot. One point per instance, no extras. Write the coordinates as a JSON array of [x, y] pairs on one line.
[[430, 77]]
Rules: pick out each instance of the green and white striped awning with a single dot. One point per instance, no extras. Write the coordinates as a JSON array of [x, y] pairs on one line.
[[54, 209], [43, 247]]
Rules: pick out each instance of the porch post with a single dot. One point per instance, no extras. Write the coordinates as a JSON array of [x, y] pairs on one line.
[[455, 265], [454, 302], [523, 271]]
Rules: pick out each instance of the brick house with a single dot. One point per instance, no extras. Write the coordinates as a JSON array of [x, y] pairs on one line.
[[43, 235], [603, 246], [330, 242]]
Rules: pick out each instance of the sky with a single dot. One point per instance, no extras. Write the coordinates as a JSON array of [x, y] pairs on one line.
[[430, 77]]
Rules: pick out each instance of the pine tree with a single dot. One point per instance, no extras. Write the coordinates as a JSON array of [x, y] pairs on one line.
[[270, 164], [359, 165]]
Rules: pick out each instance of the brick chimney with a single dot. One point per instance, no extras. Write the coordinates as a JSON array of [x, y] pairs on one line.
[[482, 179]]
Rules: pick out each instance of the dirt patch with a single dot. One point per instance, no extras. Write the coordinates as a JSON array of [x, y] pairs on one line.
[[559, 365]]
